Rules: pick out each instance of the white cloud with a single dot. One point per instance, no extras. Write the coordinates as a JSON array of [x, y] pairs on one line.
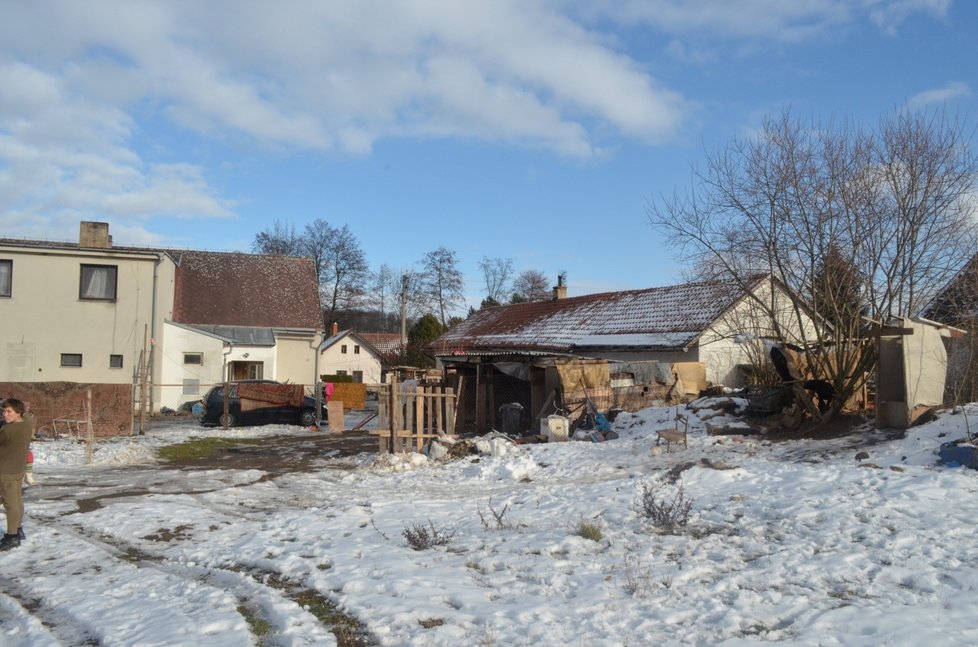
[[890, 14], [83, 82], [87, 84], [777, 20], [65, 157], [949, 92]]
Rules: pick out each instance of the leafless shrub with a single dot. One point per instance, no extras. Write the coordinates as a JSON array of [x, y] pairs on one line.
[[420, 537], [498, 521], [637, 577], [664, 512]]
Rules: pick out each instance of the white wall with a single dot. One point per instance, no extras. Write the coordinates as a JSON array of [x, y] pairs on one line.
[[333, 359], [176, 341], [719, 346]]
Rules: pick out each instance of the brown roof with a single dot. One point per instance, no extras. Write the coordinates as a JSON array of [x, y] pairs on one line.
[[662, 318], [958, 300], [232, 288], [386, 344]]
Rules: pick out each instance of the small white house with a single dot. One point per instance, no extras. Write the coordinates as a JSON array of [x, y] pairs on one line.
[[347, 353]]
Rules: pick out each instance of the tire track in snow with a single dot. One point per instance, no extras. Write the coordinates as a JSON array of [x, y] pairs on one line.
[[295, 614]]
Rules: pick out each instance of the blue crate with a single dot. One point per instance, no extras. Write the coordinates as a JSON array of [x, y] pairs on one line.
[[952, 455]]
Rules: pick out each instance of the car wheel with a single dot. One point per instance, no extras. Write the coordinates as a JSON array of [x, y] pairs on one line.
[[307, 417], [227, 420]]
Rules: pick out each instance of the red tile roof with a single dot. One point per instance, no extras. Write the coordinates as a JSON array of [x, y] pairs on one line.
[[386, 344], [232, 288], [653, 319]]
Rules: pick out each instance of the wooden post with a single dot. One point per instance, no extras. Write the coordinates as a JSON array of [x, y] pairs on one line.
[[479, 405], [458, 409], [90, 448], [143, 397], [419, 402], [383, 419], [439, 402], [227, 403], [450, 411], [397, 416], [135, 392]]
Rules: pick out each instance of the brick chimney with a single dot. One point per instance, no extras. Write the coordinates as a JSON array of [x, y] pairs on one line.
[[334, 329], [94, 234], [560, 290]]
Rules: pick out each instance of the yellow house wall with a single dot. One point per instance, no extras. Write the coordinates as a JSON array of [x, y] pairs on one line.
[[45, 317], [295, 358]]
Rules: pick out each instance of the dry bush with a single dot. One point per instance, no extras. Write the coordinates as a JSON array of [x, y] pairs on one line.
[[663, 512], [498, 521], [420, 537]]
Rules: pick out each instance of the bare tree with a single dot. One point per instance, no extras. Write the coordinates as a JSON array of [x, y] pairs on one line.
[[530, 285], [384, 289], [497, 273], [795, 199], [280, 240], [440, 282], [341, 266]]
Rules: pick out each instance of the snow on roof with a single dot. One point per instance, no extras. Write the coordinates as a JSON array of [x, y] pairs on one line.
[[663, 318]]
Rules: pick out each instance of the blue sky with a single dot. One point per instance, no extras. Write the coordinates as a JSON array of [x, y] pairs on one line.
[[532, 130]]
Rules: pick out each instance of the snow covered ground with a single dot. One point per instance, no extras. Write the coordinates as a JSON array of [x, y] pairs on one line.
[[850, 541]]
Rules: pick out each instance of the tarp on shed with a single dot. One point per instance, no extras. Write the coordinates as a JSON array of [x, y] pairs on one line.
[[912, 371]]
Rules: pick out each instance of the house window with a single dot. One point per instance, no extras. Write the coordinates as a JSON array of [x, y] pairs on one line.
[[6, 273], [343, 349], [191, 386], [358, 377], [98, 282], [115, 361], [245, 370], [193, 358], [71, 359], [356, 349], [341, 372]]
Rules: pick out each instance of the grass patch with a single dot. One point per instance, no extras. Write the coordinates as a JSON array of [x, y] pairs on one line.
[[349, 632], [201, 448], [589, 530], [259, 627]]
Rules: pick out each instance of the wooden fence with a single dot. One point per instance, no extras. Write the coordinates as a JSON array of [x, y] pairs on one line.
[[410, 415]]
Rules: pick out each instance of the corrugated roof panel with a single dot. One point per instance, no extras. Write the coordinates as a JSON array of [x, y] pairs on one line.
[[666, 317]]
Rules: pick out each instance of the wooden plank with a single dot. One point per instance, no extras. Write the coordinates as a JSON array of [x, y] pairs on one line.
[[457, 405], [397, 416], [449, 421], [365, 420], [439, 403], [386, 433], [419, 402], [334, 413]]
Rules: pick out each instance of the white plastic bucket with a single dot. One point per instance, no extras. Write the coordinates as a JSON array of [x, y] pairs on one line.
[[555, 428]]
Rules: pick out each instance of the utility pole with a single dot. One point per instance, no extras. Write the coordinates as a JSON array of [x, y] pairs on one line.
[[404, 297]]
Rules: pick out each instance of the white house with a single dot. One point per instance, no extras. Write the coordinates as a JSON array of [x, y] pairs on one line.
[[89, 312], [347, 353]]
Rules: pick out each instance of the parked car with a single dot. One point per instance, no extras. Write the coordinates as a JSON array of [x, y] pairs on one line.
[[210, 409]]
